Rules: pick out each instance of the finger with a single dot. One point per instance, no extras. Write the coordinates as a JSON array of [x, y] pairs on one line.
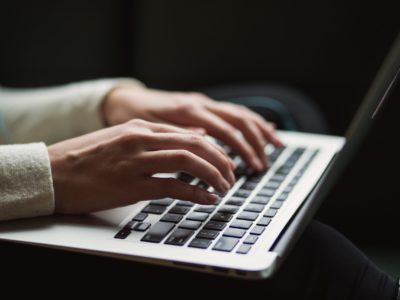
[[168, 161], [157, 127], [225, 132], [269, 132], [253, 134], [267, 128], [247, 126], [197, 145], [156, 188], [199, 130]]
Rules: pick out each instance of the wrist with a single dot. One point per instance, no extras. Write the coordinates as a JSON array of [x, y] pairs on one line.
[[116, 105]]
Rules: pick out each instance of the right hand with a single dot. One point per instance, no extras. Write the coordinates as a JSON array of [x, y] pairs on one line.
[[113, 167]]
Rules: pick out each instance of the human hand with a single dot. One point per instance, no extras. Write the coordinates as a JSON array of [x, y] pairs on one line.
[[219, 119], [114, 166]]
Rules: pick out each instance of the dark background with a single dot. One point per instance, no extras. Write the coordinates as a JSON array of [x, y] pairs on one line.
[[328, 49]]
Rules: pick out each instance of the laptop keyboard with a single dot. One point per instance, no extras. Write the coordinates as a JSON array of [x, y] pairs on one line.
[[235, 222]]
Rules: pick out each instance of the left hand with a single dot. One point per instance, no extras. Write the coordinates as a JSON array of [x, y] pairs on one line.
[[218, 119]]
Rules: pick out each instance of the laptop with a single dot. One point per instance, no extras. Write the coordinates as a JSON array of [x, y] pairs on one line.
[[251, 229]]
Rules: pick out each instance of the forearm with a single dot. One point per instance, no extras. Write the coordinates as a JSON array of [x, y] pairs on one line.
[[57, 113]]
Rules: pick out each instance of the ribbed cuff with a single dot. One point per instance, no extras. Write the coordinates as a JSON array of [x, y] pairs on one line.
[[26, 185]]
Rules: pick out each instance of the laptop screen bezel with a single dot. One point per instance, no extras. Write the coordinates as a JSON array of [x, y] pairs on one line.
[[384, 82]]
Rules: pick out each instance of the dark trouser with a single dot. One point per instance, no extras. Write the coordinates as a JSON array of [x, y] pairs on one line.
[[323, 265]]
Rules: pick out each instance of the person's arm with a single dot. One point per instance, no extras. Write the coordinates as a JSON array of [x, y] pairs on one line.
[[26, 188], [57, 113], [48, 115]]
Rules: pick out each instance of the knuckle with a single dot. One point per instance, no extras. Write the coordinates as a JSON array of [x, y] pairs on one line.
[[214, 173], [197, 141], [137, 122], [197, 94], [183, 157], [185, 106], [130, 136]]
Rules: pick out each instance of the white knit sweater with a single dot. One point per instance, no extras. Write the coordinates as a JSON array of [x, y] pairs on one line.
[[32, 118]]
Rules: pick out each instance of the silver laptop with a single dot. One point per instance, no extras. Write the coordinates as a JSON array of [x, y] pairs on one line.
[[251, 229]]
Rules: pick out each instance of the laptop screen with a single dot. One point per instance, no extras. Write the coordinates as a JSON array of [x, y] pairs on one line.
[[380, 89]]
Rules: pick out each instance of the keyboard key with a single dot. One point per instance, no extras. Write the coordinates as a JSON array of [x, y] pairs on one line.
[[250, 239], [283, 170], [254, 207], [278, 178], [256, 177], [264, 221], [234, 232], [288, 189], [243, 249], [190, 224], [205, 208], [200, 243], [266, 192], [123, 233], [241, 224], [154, 209], [185, 177], [165, 201], [242, 193], [272, 185], [228, 209], [207, 234], [173, 218], [282, 197], [271, 212], [277, 204], [246, 215], [158, 232], [203, 185], [257, 230], [184, 203], [140, 217], [235, 201], [240, 170], [142, 226], [248, 185], [225, 244], [223, 217], [179, 237], [260, 200], [215, 225], [181, 210], [130, 225], [197, 216]]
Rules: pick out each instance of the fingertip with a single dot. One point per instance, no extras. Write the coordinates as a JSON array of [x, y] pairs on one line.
[[211, 198], [278, 143], [232, 163], [257, 164]]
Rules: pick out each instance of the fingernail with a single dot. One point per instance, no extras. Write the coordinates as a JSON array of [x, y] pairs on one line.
[[211, 198], [232, 178], [258, 164], [225, 186]]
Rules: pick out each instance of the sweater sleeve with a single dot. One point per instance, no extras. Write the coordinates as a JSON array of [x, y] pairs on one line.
[[26, 188], [56, 113]]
